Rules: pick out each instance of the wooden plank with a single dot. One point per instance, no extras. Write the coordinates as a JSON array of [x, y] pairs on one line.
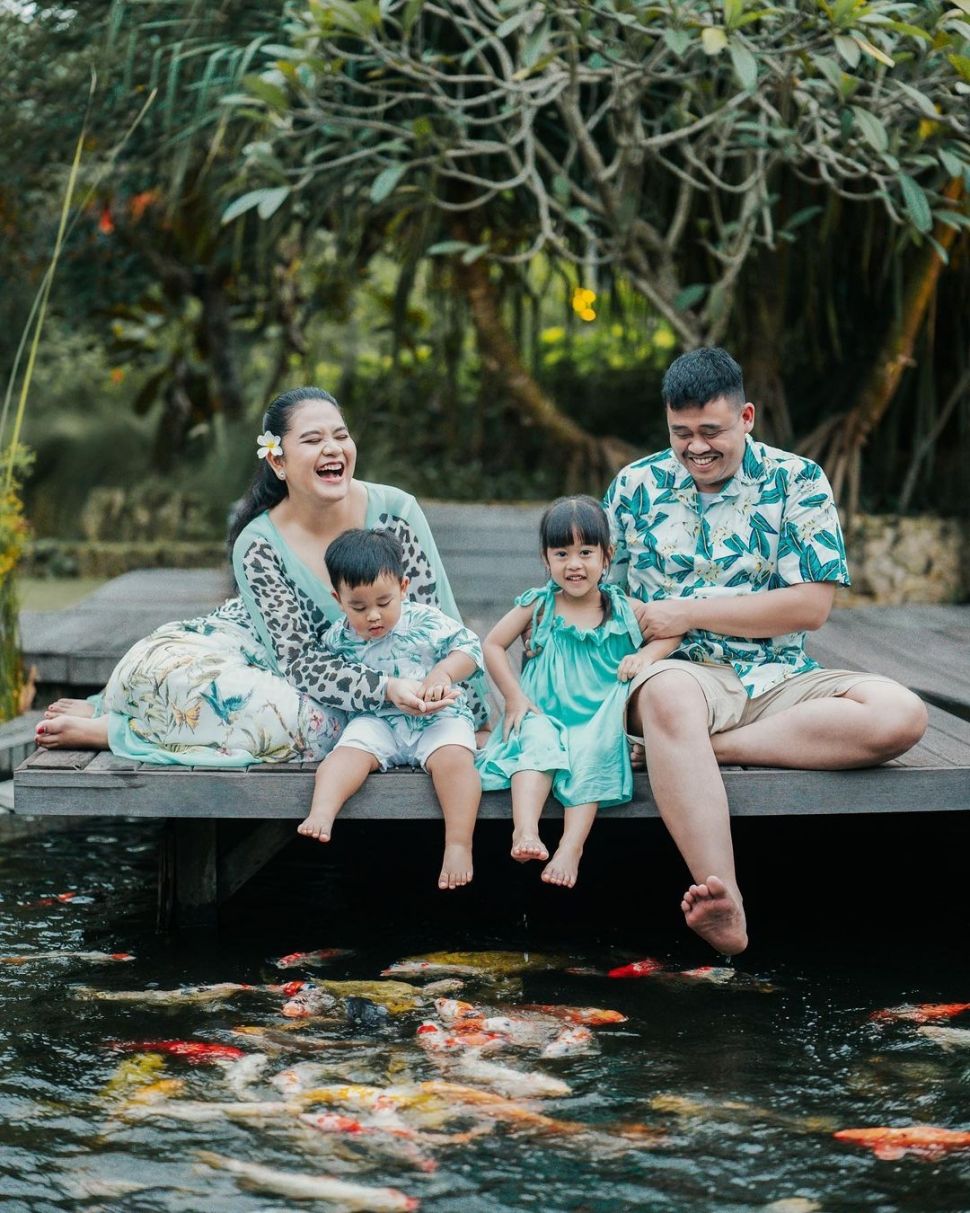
[[105, 761], [59, 760], [247, 857]]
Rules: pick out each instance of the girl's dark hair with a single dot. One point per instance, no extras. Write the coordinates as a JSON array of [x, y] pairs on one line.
[[581, 516], [266, 489], [359, 557]]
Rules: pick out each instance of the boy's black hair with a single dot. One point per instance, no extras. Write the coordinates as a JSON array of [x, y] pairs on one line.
[[359, 557], [581, 516], [702, 375]]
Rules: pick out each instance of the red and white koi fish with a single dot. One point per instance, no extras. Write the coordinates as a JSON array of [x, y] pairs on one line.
[[927, 1141], [572, 1040], [433, 1038], [90, 957], [923, 1012], [639, 968], [312, 1187], [52, 900], [396, 1134], [322, 956], [592, 1017], [195, 1051], [307, 1002]]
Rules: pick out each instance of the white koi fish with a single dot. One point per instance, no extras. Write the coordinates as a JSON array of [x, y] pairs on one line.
[[516, 1084], [312, 1187], [948, 1038]]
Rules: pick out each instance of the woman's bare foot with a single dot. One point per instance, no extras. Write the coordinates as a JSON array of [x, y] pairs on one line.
[[456, 866], [527, 845], [317, 824], [716, 915], [72, 733], [70, 707], [563, 868]]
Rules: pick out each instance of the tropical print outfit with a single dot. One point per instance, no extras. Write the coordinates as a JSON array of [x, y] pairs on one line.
[[580, 737], [421, 638], [251, 682], [773, 524]]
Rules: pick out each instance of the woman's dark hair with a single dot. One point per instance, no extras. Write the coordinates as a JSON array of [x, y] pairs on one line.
[[266, 489], [579, 516], [359, 557]]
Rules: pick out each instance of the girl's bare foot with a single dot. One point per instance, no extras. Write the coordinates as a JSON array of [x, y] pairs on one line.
[[318, 824], [70, 707], [456, 867], [527, 845], [563, 868], [716, 915], [72, 733]]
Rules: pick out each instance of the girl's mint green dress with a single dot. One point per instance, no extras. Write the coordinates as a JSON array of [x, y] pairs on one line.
[[580, 737], [251, 682]]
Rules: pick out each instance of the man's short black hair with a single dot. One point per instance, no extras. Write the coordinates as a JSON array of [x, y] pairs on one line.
[[702, 375], [359, 557]]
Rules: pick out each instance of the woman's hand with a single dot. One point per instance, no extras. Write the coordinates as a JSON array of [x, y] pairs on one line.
[[631, 665], [405, 693], [516, 710]]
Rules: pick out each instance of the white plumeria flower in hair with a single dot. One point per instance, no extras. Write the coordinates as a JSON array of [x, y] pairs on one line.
[[269, 444]]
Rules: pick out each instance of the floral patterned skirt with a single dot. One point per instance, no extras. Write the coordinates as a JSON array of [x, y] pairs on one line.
[[202, 693]]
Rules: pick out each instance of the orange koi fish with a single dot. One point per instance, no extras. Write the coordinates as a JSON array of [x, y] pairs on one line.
[[639, 968], [928, 1141], [322, 956], [924, 1012], [195, 1051], [592, 1017]]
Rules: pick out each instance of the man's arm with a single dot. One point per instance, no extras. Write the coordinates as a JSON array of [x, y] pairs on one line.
[[793, 608]]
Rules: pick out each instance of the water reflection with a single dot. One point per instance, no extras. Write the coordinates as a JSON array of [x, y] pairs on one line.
[[698, 1094]]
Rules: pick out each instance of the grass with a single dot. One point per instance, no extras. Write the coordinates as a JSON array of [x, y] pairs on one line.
[[54, 593]]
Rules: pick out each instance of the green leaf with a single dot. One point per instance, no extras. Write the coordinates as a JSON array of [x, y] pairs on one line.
[[577, 214], [678, 40], [385, 181], [873, 51], [713, 39], [962, 65], [745, 65], [953, 164], [916, 203], [510, 24], [921, 99], [941, 252], [444, 247], [412, 11], [801, 217], [272, 94], [690, 295], [873, 131], [848, 48], [473, 253], [271, 201], [248, 202], [830, 70]]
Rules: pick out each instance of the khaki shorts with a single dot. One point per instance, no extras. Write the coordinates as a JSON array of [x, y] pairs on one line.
[[728, 705]]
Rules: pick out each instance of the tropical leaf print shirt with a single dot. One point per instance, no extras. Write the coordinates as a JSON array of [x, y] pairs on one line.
[[421, 638], [773, 524]]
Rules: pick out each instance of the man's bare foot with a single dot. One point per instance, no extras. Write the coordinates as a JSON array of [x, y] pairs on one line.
[[456, 866], [716, 915], [563, 868], [317, 824], [72, 733], [526, 846], [70, 707]]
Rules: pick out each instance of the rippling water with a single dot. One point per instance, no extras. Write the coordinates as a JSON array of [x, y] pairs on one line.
[[746, 1084]]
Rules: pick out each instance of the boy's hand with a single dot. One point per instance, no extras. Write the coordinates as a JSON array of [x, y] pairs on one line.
[[631, 665], [515, 712], [437, 687]]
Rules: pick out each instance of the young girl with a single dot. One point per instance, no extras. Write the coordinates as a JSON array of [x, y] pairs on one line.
[[563, 726]]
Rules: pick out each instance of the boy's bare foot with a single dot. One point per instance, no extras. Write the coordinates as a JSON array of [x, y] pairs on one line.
[[526, 846], [317, 824], [563, 868], [456, 866], [70, 707], [72, 733], [716, 915]]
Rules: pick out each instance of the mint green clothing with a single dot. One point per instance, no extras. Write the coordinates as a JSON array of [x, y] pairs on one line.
[[580, 736], [252, 682]]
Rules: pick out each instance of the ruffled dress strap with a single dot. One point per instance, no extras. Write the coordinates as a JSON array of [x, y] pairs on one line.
[[621, 613], [543, 612]]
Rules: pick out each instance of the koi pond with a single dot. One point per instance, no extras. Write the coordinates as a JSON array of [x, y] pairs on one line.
[[353, 1039]]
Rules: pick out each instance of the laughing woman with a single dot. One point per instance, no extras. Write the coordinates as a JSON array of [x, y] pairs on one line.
[[249, 682]]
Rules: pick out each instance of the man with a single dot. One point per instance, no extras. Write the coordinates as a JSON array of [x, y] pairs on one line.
[[737, 546]]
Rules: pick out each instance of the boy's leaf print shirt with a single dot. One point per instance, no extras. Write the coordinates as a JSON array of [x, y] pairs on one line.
[[773, 524], [421, 638]]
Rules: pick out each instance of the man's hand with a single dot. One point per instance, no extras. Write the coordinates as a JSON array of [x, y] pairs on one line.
[[405, 694], [663, 617], [516, 710]]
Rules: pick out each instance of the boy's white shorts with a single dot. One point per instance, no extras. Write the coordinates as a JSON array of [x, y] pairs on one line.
[[403, 744]]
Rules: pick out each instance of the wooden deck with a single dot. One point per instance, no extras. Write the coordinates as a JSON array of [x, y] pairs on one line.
[[490, 555]]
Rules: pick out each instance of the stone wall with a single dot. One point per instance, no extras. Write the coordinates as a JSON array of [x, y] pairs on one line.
[[895, 559]]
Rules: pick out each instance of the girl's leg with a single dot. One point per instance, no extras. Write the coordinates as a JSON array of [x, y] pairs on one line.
[[73, 733], [529, 792], [459, 790], [563, 868], [338, 777]]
